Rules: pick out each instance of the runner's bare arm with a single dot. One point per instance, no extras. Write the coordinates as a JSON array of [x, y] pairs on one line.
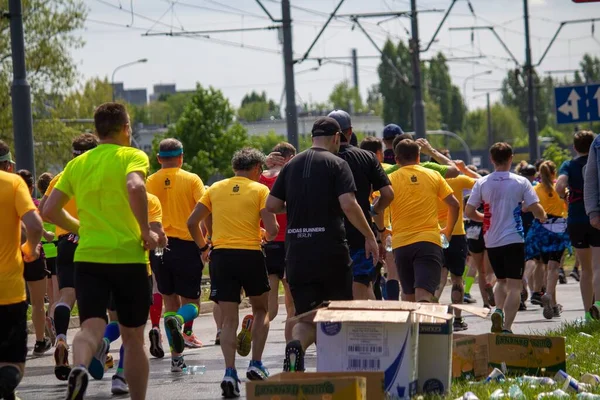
[[472, 213], [427, 149], [453, 210], [460, 164], [384, 200], [42, 205], [138, 201], [270, 223], [561, 186], [35, 228], [356, 217], [193, 223], [53, 211], [157, 228], [275, 205]]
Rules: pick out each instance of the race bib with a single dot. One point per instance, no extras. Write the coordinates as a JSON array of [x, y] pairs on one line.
[[473, 232], [556, 225]]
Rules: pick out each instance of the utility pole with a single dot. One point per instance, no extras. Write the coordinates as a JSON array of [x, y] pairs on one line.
[[355, 68], [291, 112], [490, 134], [20, 91], [534, 149], [418, 105]]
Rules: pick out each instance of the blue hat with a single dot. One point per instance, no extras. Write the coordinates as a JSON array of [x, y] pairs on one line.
[[391, 131], [342, 117]]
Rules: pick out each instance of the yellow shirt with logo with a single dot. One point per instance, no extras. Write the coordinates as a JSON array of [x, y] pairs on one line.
[[109, 232], [552, 204], [70, 207], [415, 205], [15, 201], [236, 204], [458, 186], [178, 191]]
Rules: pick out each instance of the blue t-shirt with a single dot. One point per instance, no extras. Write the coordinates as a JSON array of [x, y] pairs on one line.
[[573, 169]]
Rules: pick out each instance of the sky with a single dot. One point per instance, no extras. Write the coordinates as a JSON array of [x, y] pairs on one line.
[[240, 62]]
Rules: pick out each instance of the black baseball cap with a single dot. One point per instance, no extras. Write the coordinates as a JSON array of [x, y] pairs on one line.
[[325, 126], [527, 170], [391, 131]]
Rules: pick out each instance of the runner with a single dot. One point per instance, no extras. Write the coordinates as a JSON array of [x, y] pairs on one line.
[[237, 205], [390, 132], [415, 230], [178, 271], [582, 234], [35, 276], [502, 193], [549, 239], [317, 190], [368, 176], [110, 258], [50, 251], [65, 266], [17, 207], [455, 256], [275, 250], [591, 195]]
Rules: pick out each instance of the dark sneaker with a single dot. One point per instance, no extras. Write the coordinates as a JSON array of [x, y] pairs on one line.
[[230, 384], [78, 382], [178, 364], [557, 310], [218, 339], [41, 347], [524, 294], [575, 275], [548, 311], [156, 348], [536, 298], [468, 299], [497, 321], [257, 371], [294, 357], [595, 311], [96, 367], [460, 325], [61, 360], [522, 307], [9, 380], [174, 326], [562, 279], [489, 290], [244, 338], [507, 332], [50, 330]]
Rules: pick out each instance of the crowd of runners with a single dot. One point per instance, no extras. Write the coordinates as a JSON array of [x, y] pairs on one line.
[[334, 222]]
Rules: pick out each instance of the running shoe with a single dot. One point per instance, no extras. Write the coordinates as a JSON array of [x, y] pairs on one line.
[[78, 382], [257, 371], [218, 338], [522, 307], [96, 367], [497, 321], [156, 348], [174, 326], [536, 298], [61, 361], [595, 311], [557, 310], [192, 341], [460, 324], [230, 384], [41, 347], [562, 279], [178, 364], [109, 363], [575, 275], [507, 332], [548, 311], [244, 338], [468, 299], [9, 380], [50, 330], [294, 357], [119, 385], [524, 294], [489, 290]]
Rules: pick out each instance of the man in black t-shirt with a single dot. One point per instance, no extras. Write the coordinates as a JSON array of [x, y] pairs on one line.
[[317, 190], [390, 132], [368, 176]]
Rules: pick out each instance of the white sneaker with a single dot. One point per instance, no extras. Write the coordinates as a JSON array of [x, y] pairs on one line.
[[119, 385]]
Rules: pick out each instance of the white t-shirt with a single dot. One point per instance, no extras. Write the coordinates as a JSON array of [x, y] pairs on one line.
[[502, 195]]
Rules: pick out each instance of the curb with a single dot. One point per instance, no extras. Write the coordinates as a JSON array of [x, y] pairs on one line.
[[205, 308]]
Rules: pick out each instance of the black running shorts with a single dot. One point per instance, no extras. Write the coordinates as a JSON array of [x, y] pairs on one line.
[[65, 266], [232, 270], [35, 271], [13, 335], [275, 258], [508, 262], [583, 236], [419, 266], [455, 256]]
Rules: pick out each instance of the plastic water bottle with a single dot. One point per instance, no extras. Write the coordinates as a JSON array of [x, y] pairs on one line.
[[590, 379], [497, 394], [536, 380], [515, 392], [557, 394], [468, 396], [158, 252], [195, 370], [588, 396], [444, 240], [388, 244]]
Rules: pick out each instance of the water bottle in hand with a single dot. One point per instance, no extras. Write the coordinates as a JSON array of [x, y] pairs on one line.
[[388, 244], [444, 240]]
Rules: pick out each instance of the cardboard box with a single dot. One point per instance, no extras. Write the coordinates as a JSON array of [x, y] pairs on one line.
[[306, 386], [375, 380], [372, 336], [521, 354]]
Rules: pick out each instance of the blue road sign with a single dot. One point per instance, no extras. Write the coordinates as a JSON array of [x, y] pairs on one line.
[[577, 103]]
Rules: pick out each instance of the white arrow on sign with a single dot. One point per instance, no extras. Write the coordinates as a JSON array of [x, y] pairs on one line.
[[571, 106], [597, 97]]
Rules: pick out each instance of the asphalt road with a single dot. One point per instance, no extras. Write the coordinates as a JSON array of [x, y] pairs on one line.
[[40, 383]]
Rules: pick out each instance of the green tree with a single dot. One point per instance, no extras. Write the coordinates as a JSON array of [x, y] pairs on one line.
[[265, 143], [345, 97], [514, 94], [256, 107], [208, 134], [396, 93], [374, 100], [556, 154], [82, 103], [446, 95], [506, 127]]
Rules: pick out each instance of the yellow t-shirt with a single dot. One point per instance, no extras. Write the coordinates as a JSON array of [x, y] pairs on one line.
[[415, 205], [552, 204], [70, 207], [109, 232], [458, 185], [387, 215], [178, 191], [154, 215], [235, 204], [15, 201]]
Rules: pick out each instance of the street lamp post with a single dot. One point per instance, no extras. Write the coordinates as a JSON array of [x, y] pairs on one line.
[[112, 81], [471, 77]]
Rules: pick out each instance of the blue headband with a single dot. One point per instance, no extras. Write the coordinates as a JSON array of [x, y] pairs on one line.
[[170, 153]]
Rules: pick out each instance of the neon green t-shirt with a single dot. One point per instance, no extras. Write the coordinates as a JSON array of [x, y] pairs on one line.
[[109, 232], [442, 169], [49, 248]]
